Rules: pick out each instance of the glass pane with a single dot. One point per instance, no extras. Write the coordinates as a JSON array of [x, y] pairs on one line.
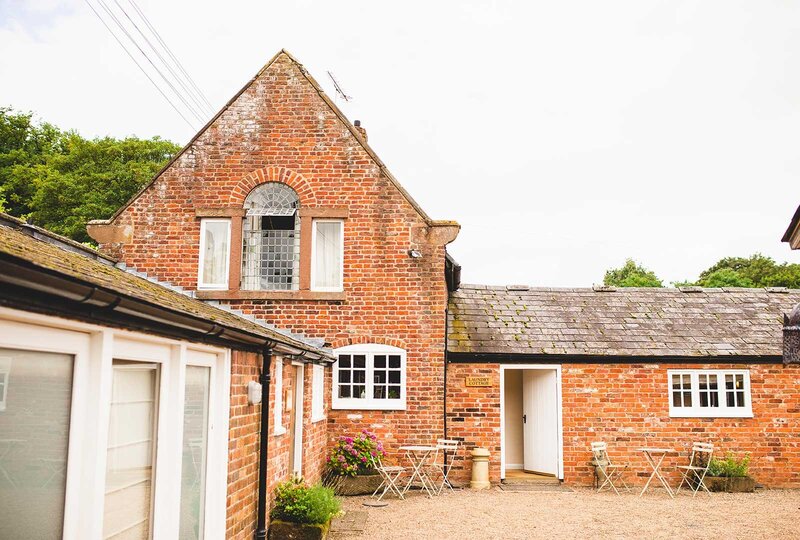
[[394, 392], [394, 377], [729, 381], [195, 447], [344, 361], [359, 376], [131, 447], [703, 397], [740, 399], [676, 399], [676, 382], [687, 399], [359, 391], [360, 361], [34, 437], [215, 252], [379, 377], [344, 391], [328, 255], [380, 361], [687, 381], [394, 362], [379, 392], [344, 376]]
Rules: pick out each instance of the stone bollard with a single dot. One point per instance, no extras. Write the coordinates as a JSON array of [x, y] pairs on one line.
[[480, 469]]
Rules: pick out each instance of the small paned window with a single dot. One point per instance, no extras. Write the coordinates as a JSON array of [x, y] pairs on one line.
[[702, 393], [369, 376], [271, 239]]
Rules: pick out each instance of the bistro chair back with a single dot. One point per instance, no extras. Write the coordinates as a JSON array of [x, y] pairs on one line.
[[448, 449], [695, 473], [608, 474], [390, 474]]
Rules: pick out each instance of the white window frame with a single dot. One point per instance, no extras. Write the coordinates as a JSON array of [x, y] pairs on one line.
[[277, 407], [200, 260], [314, 223], [95, 348], [317, 393], [369, 403], [723, 411]]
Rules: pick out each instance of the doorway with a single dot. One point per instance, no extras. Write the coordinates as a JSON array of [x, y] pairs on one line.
[[530, 410]]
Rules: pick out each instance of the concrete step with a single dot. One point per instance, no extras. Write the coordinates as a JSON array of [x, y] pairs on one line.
[[531, 479]]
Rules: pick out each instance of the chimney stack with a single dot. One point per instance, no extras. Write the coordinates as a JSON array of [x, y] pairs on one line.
[[360, 129], [791, 337]]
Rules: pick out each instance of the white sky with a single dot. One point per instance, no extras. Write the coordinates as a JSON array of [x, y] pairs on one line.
[[564, 136]]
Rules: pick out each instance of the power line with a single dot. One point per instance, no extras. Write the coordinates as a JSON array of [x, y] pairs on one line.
[[171, 55], [201, 106], [177, 110], [113, 16]]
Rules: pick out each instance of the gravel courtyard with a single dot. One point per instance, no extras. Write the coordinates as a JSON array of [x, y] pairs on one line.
[[583, 514]]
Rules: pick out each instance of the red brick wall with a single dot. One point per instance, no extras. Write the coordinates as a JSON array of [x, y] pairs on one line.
[[620, 403], [243, 443], [280, 129]]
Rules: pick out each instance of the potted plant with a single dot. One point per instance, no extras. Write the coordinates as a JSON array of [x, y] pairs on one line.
[[730, 475], [350, 470], [302, 512]]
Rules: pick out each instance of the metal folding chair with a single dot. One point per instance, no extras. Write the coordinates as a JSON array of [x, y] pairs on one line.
[[697, 468], [607, 472], [389, 475], [448, 449]]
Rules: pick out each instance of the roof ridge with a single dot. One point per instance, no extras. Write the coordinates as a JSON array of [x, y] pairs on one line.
[[331, 105], [594, 289]]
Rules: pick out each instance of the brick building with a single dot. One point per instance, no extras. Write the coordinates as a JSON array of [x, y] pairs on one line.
[[279, 209]]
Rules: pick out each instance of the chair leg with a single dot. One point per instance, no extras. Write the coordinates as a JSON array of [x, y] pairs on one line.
[[683, 479]]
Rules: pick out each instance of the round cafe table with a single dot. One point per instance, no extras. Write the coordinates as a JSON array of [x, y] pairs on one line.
[[418, 455], [652, 457]]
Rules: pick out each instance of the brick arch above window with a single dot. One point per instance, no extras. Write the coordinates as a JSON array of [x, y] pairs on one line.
[[359, 339], [293, 179]]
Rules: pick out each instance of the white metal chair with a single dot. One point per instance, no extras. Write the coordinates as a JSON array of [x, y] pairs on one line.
[[448, 450], [389, 475], [607, 472], [697, 468]]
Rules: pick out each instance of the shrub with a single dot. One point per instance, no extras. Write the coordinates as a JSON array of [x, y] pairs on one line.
[[298, 503], [730, 467], [351, 456]]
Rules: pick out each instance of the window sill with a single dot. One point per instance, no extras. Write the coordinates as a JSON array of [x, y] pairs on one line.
[[270, 295], [279, 431], [320, 419], [711, 414], [375, 405]]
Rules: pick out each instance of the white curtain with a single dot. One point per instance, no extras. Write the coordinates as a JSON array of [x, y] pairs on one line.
[[328, 255]]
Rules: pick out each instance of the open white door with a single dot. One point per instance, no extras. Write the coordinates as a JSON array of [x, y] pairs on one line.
[[540, 417]]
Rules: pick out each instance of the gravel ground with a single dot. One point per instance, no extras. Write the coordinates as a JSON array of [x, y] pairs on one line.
[[584, 514]]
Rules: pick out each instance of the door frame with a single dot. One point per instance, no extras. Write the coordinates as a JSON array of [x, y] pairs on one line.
[[560, 426], [298, 386]]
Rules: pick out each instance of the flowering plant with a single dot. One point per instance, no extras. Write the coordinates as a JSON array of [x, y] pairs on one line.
[[351, 456]]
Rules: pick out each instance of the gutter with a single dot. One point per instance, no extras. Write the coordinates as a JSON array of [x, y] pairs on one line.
[[24, 284]]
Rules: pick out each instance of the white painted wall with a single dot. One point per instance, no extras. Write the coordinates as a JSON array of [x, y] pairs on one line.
[[513, 418]]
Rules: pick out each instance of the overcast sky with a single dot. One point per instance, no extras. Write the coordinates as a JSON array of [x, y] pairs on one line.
[[564, 136]]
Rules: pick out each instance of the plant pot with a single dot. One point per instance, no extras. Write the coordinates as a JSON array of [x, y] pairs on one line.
[[285, 530], [743, 484], [362, 484]]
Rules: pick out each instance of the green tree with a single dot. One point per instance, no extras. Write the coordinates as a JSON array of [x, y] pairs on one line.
[[61, 180], [754, 271], [631, 275]]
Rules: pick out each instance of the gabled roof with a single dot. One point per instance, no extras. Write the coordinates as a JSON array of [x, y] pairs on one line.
[[45, 270], [339, 114], [627, 322], [794, 227]]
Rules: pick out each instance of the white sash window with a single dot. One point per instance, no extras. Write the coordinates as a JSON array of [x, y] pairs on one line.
[[705, 393], [327, 255]]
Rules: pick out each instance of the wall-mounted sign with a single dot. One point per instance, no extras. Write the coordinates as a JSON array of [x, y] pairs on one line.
[[478, 381]]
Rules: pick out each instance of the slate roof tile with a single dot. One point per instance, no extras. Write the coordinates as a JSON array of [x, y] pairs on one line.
[[628, 321]]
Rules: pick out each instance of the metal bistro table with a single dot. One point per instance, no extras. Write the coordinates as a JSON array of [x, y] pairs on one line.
[[418, 455], [652, 457]]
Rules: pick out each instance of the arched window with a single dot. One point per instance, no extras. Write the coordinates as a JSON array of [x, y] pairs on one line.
[[271, 239]]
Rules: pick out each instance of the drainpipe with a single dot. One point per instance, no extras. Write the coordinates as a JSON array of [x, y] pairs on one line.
[[264, 379]]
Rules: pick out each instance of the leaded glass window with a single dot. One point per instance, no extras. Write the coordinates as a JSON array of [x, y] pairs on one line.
[[271, 239]]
